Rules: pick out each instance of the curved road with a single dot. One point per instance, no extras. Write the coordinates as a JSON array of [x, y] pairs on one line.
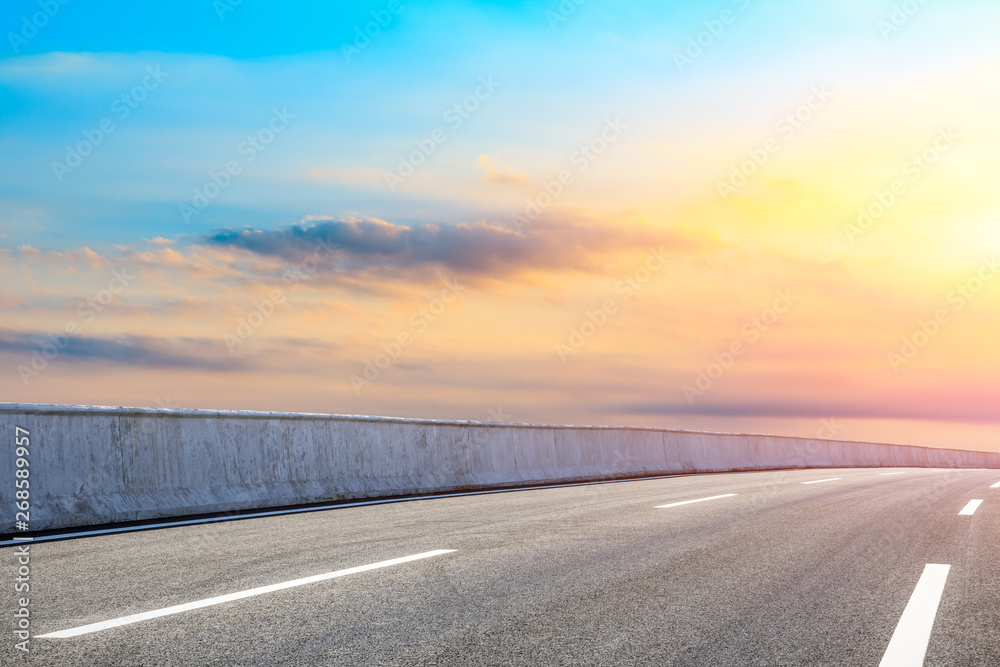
[[807, 567]]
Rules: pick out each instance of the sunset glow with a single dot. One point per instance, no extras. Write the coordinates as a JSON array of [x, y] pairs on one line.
[[729, 216]]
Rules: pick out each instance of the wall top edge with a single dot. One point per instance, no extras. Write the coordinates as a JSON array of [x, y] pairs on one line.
[[55, 409]]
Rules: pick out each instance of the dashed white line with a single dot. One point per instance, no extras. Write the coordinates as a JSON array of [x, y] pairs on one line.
[[697, 500], [156, 525], [820, 481], [909, 641], [971, 507], [177, 609], [995, 486], [892, 473]]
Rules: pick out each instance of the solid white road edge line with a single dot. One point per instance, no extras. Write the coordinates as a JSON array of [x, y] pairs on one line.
[[909, 641], [971, 507], [156, 525], [177, 609], [818, 481], [697, 500]]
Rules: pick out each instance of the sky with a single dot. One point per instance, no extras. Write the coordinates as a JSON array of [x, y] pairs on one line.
[[741, 216]]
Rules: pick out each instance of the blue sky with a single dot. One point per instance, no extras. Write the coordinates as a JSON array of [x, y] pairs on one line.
[[559, 80], [166, 100], [225, 76]]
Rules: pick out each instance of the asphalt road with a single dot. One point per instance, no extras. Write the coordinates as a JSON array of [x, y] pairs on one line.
[[782, 573]]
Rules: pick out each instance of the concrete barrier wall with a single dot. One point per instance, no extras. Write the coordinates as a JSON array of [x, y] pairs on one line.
[[98, 465]]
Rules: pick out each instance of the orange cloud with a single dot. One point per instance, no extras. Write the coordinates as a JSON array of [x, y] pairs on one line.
[[502, 174]]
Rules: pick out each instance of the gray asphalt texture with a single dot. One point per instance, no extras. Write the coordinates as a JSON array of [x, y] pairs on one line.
[[781, 574]]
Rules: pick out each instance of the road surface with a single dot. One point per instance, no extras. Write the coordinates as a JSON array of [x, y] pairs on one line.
[[808, 567]]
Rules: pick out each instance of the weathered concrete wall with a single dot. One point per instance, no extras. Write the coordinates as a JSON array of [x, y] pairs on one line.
[[94, 465]]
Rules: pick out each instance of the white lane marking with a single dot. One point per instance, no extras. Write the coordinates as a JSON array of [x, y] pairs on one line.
[[970, 508], [995, 486], [322, 508], [909, 641], [177, 609], [819, 481], [698, 500], [892, 473]]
